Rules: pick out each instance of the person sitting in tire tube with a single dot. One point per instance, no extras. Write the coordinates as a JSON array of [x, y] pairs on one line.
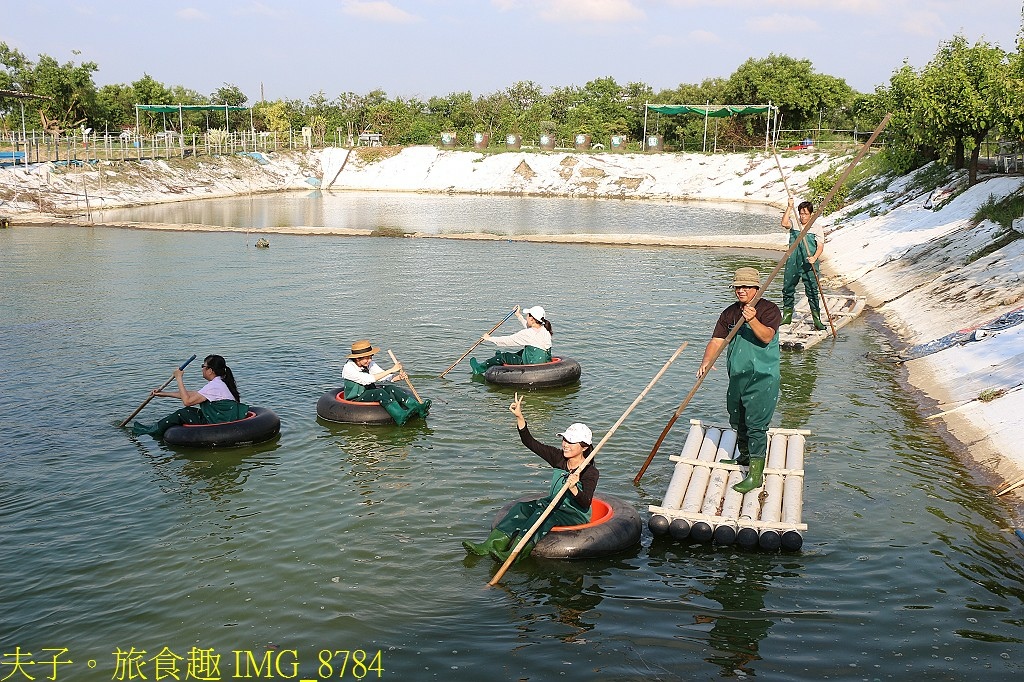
[[573, 509], [215, 403], [366, 382], [535, 339]]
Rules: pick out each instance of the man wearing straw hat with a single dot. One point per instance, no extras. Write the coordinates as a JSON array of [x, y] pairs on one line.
[[361, 375], [752, 361]]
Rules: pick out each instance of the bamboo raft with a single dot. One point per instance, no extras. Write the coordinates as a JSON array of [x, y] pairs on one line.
[[701, 505], [801, 334]]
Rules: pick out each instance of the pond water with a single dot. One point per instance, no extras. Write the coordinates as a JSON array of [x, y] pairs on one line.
[[335, 538], [448, 214]]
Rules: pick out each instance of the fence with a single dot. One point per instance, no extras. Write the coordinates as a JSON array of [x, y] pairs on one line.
[[39, 147]]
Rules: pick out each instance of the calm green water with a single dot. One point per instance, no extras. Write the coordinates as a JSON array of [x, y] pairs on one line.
[[346, 538]]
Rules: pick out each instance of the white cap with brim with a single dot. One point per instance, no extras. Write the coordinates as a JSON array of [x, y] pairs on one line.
[[536, 312], [578, 433]]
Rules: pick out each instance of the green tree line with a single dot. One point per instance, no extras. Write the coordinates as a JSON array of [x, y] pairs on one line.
[[965, 95]]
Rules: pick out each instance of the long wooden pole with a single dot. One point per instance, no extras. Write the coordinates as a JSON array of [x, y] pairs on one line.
[[411, 387], [771, 276], [795, 216], [1010, 487], [558, 497], [503, 320], [146, 401]]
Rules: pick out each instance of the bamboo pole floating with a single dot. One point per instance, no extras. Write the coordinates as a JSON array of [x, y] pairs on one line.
[[411, 387], [1008, 488], [703, 531], [503, 320], [182, 367], [795, 216], [694, 497], [558, 496], [679, 528], [769, 538], [793, 493], [725, 533], [757, 296]]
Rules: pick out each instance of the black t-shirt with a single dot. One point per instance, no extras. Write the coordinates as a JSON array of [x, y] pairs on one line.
[[768, 314], [554, 457]]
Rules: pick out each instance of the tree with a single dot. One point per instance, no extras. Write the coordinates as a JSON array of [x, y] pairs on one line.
[[906, 147], [959, 99], [229, 94], [790, 84]]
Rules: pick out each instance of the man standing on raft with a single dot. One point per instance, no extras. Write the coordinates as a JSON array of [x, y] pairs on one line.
[[800, 265], [361, 375], [752, 361]]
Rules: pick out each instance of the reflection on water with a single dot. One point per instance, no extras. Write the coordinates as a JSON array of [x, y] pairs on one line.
[[448, 214], [799, 372], [371, 452], [741, 623]]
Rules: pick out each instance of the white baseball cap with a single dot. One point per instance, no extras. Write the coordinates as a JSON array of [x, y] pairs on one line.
[[536, 312], [578, 433]]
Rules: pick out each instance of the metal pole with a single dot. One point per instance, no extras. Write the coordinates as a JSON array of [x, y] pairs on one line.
[[643, 146], [707, 106]]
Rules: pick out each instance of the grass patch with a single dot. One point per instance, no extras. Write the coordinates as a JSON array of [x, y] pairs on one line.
[[990, 394], [375, 154], [389, 232], [870, 175], [1003, 212], [1001, 240]]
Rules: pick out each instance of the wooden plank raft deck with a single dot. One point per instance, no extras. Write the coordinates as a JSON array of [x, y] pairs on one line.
[[700, 504], [802, 335]]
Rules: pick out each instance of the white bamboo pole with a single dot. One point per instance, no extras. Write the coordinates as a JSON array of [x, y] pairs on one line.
[[699, 478], [725, 532], [750, 510], [679, 528], [793, 493], [702, 530], [681, 475], [772, 509]]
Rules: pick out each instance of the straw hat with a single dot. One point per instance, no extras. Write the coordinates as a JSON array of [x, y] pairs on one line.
[[362, 348], [747, 277]]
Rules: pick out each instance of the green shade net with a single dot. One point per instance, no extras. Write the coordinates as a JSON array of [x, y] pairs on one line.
[[713, 110], [173, 108]]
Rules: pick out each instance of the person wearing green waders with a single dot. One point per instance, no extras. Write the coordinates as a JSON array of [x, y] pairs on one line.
[[802, 264], [752, 360], [215, 403], [362, 374], [535, 339], [572, 510]]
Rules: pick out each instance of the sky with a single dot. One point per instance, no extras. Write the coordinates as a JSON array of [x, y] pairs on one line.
[[283, 49]]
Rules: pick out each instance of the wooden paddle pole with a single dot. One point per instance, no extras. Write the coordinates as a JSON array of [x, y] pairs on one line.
[[151, 396], [411, 387], [492, 329], [771, 277], [558, 497], [1010, 487], [795, 216]]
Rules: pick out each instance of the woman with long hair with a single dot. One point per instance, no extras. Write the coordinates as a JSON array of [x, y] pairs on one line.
[[534, 340], [215, 403]]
